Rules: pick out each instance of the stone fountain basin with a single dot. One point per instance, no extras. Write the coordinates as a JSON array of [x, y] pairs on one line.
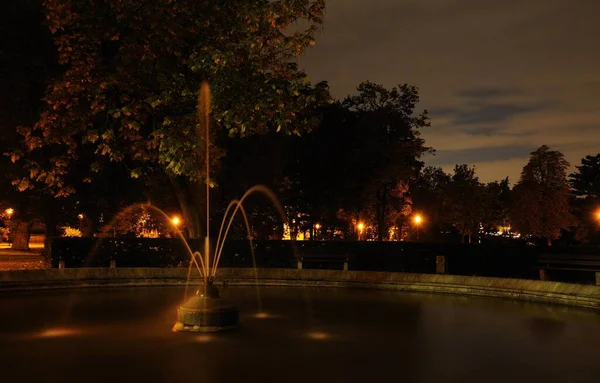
[[206, 314], [584, 296]]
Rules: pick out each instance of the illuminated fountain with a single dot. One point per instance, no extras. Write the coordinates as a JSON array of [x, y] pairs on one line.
[[206, 311]]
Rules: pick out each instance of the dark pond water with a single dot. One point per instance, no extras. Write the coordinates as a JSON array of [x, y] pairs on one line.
[[308, 335]]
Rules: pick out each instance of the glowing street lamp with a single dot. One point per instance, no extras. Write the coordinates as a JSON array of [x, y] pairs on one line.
[[315, 233], [176, 221], [80, 216], [418, 219], [9, 212], [361, 228]]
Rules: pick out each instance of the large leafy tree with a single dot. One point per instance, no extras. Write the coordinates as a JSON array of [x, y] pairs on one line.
[[541, 197], [321, 175], [464, 201], [132, 70], [585, 184], [357, 164], [428, 193], [586, 180], [496, 202], [388, 148]]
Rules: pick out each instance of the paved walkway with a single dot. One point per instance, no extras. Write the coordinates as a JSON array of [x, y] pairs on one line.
[[20, 260]]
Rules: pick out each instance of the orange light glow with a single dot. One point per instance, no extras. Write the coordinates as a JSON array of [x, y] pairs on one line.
[[176, 221], [204, 338], [9, 212], [318, 335], [58, 332], [361, 226], [418, 219]]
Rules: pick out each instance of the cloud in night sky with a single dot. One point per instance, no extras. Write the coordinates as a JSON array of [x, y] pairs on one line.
[[500, 78]]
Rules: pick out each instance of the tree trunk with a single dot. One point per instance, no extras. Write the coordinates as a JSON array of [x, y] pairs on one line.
[[378, 217], [87, 228], [50, 222], [51, 226], [380, 209], [384, 200], [20, 235], [188, 206]]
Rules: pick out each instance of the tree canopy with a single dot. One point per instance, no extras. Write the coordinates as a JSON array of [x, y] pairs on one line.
[[586, 180], [363, 156], [585, 184], [131, 74], [541, 202]]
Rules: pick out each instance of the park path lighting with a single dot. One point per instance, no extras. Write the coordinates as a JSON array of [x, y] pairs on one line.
[[418, 219], [9, 212], [361, 228], [316, 231], [80, 216], [176, 221]]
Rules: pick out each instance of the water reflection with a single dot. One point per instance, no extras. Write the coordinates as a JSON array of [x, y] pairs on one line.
[[318, 335], [58, 332], [204, 338], [546, 329], [265, 315]]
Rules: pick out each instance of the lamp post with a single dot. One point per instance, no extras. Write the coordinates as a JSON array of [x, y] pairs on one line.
[[9, 213], [80, 217], [418, 219], [361, 228]]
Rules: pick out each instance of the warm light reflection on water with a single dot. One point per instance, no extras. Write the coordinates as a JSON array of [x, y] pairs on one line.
[[57, 332], [204, 338], [318, 335]]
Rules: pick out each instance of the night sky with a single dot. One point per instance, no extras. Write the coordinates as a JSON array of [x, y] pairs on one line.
[[500, 78]]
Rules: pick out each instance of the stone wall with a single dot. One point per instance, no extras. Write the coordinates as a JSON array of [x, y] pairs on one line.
[[586, 296]]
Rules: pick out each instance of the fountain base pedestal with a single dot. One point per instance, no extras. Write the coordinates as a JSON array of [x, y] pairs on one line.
[[206, 312]]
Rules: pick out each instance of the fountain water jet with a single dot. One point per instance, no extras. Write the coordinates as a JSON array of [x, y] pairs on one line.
[[206, 311]]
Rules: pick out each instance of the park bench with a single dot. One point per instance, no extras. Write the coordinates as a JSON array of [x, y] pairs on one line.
[[324, 261], [568, 262]]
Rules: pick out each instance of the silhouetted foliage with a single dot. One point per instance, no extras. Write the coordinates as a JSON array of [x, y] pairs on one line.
[[585, 184], [132, 72], [464, 201], [586, 180], [541, 197]]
